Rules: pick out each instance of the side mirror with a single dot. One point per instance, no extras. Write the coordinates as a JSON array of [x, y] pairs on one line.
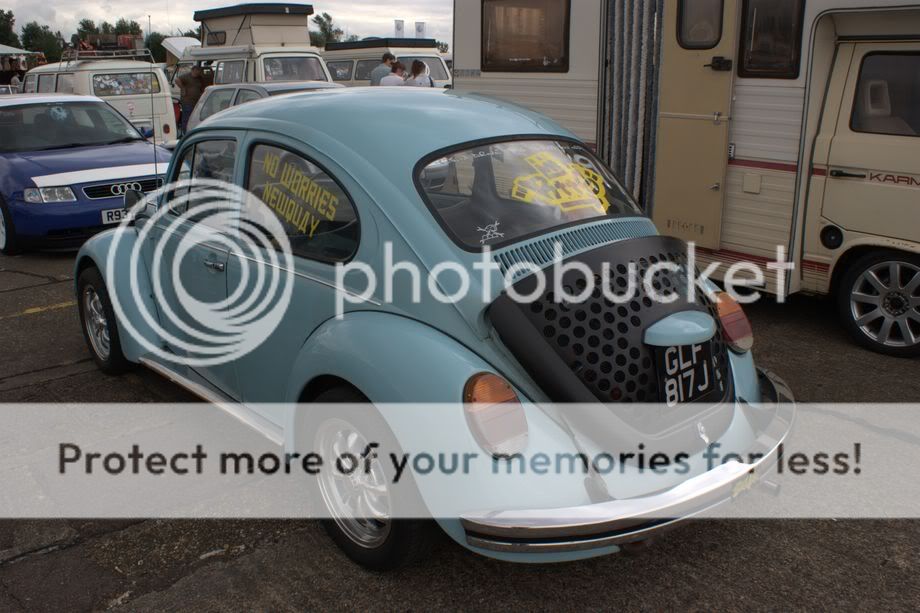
[[132, 197], [147, 132]]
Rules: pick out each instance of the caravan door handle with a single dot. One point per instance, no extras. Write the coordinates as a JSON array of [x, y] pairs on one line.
[[843, 174]]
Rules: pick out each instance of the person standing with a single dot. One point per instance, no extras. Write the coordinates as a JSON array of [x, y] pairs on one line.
[[384, 70], [15, 82], [397, 75], [191, 87], [419, 76]]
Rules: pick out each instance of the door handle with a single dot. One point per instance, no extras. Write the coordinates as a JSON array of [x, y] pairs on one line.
[[843, 174], [216, 266], [720, 64]]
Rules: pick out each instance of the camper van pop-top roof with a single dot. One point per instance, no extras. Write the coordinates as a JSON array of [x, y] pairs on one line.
[[281, 25]]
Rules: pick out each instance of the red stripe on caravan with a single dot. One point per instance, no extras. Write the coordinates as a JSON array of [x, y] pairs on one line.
[[815, 266], [724, 254], [819, 171], [765, 165]]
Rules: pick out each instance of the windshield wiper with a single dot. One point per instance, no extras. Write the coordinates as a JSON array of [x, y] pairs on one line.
[[67, 146], [127, 139]]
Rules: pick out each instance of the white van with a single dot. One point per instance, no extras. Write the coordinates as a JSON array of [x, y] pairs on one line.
[[249, 43], [744, 126], [352, 63], [137, 89]]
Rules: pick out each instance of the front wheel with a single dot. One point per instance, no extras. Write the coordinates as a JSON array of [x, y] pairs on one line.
[[100, 328], [362, 508], [879, 302], [9, 245]]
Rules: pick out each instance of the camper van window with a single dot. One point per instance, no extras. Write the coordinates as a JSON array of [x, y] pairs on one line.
[[525, 35], [230, 72], [364, 68], [435, 67], [28, 86], [888, 95], [700, 23], [293, 69], [217, 38], [45, 83], [771, 39], [65, 83], [125, 84], [341, 71]]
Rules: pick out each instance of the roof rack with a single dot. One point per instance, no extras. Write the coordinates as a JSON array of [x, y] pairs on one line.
[[83, 55]]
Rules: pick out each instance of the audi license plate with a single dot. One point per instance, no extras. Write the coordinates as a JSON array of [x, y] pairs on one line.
[[685, 373], [111, 216]]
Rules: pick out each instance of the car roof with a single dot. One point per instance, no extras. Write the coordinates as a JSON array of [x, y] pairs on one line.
[[20, 99], [274, 86], [95, 64], [387, 128]]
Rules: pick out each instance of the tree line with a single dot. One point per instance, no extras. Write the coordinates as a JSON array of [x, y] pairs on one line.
[[34, 36]]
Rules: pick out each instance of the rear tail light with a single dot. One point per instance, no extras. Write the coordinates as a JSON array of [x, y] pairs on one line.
[[165, 128], [735, 324], [494, 415]]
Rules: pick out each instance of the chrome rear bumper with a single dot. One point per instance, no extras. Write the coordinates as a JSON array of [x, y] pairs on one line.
[[620, 522]]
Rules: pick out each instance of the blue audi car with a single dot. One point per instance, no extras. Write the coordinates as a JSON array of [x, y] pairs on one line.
[[65, 162]]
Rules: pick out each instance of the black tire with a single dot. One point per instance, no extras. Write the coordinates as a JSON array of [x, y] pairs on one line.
[[9, 243], [408, 540], [852, 281], [115, 362]]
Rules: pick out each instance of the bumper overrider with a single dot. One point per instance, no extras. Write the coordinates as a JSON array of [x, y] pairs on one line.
[[620, 522]]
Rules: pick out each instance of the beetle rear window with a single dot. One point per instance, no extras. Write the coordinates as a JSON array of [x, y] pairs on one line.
[[495, 194]]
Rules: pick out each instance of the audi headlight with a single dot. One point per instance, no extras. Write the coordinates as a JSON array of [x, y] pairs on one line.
[[49, 194]]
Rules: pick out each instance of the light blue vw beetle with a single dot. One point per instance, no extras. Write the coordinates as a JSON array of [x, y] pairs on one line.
[[360, 179]]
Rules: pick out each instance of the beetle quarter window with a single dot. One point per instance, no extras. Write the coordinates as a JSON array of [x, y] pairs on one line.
[[206, 160], [888, 95], [525, 35], [315, 211], [771, 38], [700, 23]]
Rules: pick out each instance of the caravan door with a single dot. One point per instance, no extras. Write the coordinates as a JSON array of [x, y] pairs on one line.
[[697, 68]]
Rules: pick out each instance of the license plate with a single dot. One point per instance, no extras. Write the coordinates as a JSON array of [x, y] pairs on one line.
[[685, 373], [111, 216]]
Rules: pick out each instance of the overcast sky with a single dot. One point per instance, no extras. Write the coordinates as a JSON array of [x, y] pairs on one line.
[[361, 17]]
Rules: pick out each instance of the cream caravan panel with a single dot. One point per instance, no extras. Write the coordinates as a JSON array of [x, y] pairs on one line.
[[767, 120], [280, 35], [757, 221], [569, 98]]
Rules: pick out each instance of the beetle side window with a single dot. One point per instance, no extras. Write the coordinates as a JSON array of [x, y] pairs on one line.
[[700, 23], [317, 214], [525, 36], [771, 38], [206, 160], [218, 100], [888, 95], [341, 71]]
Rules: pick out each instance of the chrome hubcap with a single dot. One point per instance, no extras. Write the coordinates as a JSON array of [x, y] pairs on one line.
[[96, 324], [356, 495], [885, 303]]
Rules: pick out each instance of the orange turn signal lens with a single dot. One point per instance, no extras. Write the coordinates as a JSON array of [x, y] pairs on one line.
[[735, 325], [494, 414]]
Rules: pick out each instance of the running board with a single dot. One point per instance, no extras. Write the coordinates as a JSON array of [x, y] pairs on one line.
[[220, 400]]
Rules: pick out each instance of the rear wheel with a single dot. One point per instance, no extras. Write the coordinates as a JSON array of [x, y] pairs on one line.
[[879, 302], [361, 506], [9, 245], [100, 328]]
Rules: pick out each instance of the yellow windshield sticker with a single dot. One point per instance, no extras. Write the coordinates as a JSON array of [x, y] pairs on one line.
[[561, 183], [297, 198]]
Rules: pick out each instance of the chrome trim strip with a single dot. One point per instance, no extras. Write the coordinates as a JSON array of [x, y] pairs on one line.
[[623, 521], [319, 280]]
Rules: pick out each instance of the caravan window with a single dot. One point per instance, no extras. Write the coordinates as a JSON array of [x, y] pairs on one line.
[[699, 23], [525, 35], [771, 38], [888, 95]]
